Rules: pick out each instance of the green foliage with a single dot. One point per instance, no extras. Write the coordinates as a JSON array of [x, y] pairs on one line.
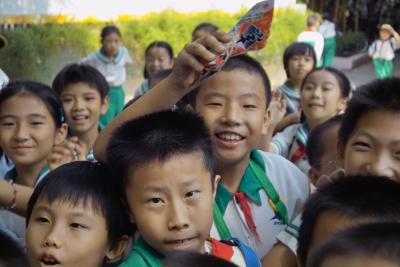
[[350, 43], [38, 52]]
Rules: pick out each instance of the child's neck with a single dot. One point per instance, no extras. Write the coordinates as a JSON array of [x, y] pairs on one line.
[[232, 173], [27, 175], [87, 139], [295, 84]]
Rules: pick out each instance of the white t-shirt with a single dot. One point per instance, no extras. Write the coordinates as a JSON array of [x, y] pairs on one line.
[[113, 71], [315, 39], [384, 49], [327, 29], [292, 186], [3, 79]]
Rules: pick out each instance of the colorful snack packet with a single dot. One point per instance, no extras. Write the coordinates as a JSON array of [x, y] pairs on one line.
[[250, 33]]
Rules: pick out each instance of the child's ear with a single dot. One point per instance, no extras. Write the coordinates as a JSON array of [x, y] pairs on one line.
[[217, 179], [266, 122], [342, 104], [314, 176], [61, 134], [189, 108], [104, 105], [118, 250]]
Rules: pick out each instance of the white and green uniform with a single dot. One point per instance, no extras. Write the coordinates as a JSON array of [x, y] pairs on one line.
[[291, 96], [248, 214], [316, 40], [383, 57], [328, 31], [291, 144]]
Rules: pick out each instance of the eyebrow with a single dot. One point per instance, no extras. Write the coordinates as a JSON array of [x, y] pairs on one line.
[[246, 95], [250, 95], [7, 116]]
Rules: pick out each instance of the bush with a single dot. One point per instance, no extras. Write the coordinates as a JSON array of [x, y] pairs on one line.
[[38, 52], [350, 43]]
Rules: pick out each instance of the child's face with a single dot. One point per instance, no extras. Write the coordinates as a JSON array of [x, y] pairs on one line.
[[321, 97], [157, 58], [374, 146], [66, 235], [27, 130], [384, 35], [111, 44], [83, 107], [171, 202], [299, 66], [233, 106], [358, 261]]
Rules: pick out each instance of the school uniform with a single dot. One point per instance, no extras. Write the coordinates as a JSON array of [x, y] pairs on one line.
[[383, 57], [114, 72], [292, 98], [143, 255], [15, 224], [142, 89], [328, 31], [316, 40], [272, 192], [290, 235], [291, 144]]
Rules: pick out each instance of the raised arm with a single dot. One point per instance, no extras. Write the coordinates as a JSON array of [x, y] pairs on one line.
[[21, 194], [165, 94]]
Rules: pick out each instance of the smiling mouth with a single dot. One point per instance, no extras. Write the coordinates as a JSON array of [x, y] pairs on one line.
[[80, 117], [229, 137], [180, 242]]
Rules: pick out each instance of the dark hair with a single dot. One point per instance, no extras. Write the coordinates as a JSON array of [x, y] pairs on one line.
[[109, 29], [194, 259], [159, 75], [205, 26], [311, 20], [158, 44], [376, 199], [81, 73], [379, 95], [11, 253], [298, 49], [327, 16], [242, 63], [39, 90], [158, 136], [90, 183], [380, 240], [315, 144]]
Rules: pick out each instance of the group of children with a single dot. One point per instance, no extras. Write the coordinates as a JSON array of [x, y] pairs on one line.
[[176, 179]]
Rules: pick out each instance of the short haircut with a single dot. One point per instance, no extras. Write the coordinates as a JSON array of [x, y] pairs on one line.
[[242, 63], [312, 20], [379, 95], [90, 183], [109, 29], [194, 259], [298, 49], [11, 253], [158, 136], [81, 73], [315, 144], [39, 90], [373, 198], [205, 26], [158, 44], [373, 241]]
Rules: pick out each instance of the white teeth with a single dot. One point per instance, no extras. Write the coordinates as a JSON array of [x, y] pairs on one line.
[[230, 137]]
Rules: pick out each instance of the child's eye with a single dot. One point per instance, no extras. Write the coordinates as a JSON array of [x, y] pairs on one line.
[[7, 123], [41, 220], [214, 104], [78, 226], [156, 200], [37, 123], [192, 193], [362, 146], [89, 98], [66, 100], [250, 106]]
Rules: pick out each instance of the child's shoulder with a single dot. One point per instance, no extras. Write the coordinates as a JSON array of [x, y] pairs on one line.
[[142, 255], [234, 251]]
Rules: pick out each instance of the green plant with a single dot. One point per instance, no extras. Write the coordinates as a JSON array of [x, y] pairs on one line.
[[350, 43]]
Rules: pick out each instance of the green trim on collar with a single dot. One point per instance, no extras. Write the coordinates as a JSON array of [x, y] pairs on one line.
[[142, 255], [12, 174], [250, 185], [103, 58]]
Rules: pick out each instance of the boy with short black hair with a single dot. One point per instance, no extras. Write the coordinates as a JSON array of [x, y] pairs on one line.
[[234, 106], [75, 217], [374, 245], [166, 169], [84, 93], [343, 203]]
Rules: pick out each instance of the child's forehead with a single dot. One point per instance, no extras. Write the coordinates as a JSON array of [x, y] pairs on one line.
[[68, 204], [78, 87]]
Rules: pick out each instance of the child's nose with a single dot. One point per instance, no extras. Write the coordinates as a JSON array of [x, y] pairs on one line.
[[178, 219], [22, 132], [53, 238], [381, 165], [232, 115]]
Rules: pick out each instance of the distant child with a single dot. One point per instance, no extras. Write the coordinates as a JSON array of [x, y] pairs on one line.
[[370, 132], [31, 123], [299, 59], [321, 149], [194, 259], [324, 94], [111, 61], [312, 37], [382, 51], [159, 55], [84, 94], [374, 245], [11, 253], [3, 77], [234, 105], [202, 30], [166, 168], [76, 218], [344, 203], [328, 31]]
